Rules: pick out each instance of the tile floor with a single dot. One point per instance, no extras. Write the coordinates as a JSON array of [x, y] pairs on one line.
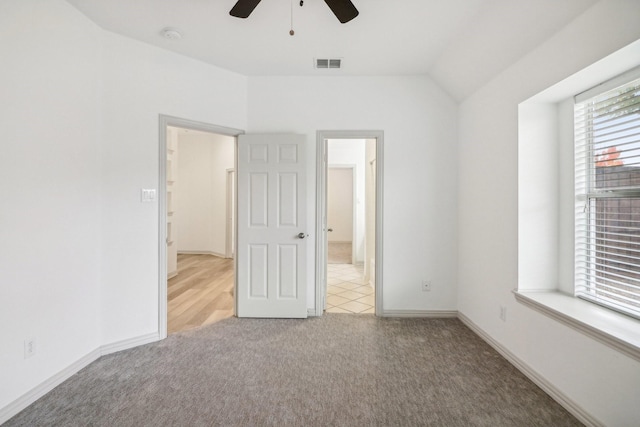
[[347, 292]]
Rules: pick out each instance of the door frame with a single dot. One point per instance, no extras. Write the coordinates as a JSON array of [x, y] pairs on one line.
[[230, 224], [354, 214], [164, 121], [321, 221]]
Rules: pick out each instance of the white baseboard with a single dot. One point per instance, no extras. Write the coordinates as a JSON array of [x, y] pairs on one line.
[[129, 343], [219, 255], [311, 312], [46, 386], [420, 313], [567, 403]]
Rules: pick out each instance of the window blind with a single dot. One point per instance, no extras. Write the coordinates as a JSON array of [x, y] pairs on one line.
[[607, 178]]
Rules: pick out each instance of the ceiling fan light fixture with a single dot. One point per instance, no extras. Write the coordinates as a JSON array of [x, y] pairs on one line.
[[344, 10], [171, 33]]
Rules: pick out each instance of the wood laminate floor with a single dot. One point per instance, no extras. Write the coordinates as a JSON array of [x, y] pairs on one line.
[[201, 293]]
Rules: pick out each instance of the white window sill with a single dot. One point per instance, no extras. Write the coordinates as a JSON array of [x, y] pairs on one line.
[[614, 329]]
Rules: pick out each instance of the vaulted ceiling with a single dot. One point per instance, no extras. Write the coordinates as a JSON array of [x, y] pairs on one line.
[[461, 44]]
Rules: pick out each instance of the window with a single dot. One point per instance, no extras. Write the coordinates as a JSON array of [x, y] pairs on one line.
[[547, 214], [607, 182]]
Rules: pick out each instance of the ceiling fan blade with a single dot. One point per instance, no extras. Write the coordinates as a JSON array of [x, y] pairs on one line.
[[243, 8], [344, 10]]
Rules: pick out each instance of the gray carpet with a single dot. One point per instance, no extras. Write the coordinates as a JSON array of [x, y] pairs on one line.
[[338, 370]]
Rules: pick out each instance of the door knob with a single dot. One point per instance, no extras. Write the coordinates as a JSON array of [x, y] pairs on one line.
[[302, 235], [330, 229]]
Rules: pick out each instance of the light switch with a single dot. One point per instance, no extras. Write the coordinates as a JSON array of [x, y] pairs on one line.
[[148, 195]]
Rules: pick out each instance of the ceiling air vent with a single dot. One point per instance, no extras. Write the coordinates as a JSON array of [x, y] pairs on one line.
[[329, 63]]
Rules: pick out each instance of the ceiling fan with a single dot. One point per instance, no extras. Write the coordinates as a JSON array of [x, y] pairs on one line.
[[344, 10]]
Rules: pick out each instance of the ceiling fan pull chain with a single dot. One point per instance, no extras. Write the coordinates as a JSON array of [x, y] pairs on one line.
[[291, 32]]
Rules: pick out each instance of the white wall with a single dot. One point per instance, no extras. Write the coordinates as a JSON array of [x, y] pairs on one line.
[[80, 125], [141, 82], [596, 377], [202, 191], [340, 204], [80, 117], [50, 220], [420, 177], [537, 242]]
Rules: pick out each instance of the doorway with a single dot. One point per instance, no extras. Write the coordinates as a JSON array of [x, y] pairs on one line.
[[197, 182], [341, 213], [348, 287], [349, 204]]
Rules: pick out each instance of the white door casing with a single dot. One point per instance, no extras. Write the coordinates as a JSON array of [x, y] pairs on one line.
[[322, 136], [230, 250], [272, 230], [164, 122]]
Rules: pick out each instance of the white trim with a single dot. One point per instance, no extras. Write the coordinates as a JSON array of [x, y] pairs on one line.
[[321, 196], [15, 407], [556, 394], [218, 254], [605, 86], [321, 223], [618, 331], [311, 312], [379, 218], [163, 122], [230, 213], [162, 228], [433, 314], [128, 343]]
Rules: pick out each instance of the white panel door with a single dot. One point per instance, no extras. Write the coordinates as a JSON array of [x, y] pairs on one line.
[[272, 229]]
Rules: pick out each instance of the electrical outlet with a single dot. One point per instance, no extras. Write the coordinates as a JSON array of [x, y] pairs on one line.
[[426, 285], [29, 347], [503, 313]]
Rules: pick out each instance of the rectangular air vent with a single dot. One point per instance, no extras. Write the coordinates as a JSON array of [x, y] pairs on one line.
[[334, 63]]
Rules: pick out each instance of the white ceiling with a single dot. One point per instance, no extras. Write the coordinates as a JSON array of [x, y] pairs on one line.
[[459, 43]]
